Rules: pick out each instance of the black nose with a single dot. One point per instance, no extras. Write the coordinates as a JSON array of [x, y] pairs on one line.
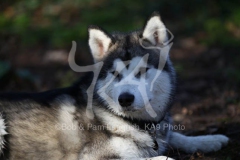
[[125, 99]]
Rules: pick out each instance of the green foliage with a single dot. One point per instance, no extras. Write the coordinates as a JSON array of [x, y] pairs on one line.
[[58, 22], [223, 32]]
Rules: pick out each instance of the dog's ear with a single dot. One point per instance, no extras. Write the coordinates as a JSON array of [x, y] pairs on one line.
[[155, 31], [99, 42]]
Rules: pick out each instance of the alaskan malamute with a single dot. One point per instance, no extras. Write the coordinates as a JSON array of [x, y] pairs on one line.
[[118, 111]]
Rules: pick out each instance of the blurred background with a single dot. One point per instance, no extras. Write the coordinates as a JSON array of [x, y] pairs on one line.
[[36, 36]]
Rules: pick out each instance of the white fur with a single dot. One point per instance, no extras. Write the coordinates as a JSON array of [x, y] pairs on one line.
[[153, 158], [99, 43], [2, 132], [125, 147], [155, 25], [158, 98], [158, 158], [119, 126], [128, 145], [190, 144], [68, 126]]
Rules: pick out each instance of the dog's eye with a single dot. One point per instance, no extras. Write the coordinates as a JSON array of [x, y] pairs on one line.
[[138, 75], [113, 72], [144, 70], [117, 74]]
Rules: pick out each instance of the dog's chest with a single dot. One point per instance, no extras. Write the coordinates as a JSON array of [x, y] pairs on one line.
[[126, 140], [103, 137]]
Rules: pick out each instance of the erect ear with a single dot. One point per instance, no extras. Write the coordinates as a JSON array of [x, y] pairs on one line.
[[155, 31], [99, 43]]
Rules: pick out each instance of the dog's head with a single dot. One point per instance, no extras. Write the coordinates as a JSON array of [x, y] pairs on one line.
[[137, 79]]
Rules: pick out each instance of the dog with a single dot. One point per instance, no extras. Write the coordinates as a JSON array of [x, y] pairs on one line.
[[125, 115]]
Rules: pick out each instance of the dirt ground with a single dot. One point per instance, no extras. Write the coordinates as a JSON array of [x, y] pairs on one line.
[[207, 102], [207, 99]]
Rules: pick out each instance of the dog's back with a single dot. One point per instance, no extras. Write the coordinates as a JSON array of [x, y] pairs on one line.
[[31, 120]]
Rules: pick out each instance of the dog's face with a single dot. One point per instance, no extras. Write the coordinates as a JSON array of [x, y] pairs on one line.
[[135, 81]]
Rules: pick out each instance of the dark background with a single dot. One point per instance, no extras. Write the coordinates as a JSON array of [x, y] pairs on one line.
[[36, 36]]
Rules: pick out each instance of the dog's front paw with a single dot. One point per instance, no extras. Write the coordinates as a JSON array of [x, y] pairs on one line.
[[191, 144], [215, 142], [209, 143], [159, 158]]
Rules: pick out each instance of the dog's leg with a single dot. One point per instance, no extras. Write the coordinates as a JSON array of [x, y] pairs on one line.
[[190, 144], [2, 132], [152, 158], [157, 158]]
